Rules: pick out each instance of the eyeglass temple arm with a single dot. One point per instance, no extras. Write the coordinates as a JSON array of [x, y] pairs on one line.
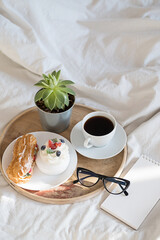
[[125, 192], [113, 179], [77, 180]]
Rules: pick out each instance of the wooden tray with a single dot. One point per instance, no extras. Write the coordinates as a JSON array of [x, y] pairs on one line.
[[28, 121]]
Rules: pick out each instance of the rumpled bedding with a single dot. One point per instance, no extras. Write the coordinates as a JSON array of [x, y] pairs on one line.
[[111, 50]]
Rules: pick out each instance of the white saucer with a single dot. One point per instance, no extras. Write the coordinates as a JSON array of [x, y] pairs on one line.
[[39, 180], [116, 145]]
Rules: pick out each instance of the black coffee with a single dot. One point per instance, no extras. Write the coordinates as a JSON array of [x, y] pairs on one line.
[[98, 126]]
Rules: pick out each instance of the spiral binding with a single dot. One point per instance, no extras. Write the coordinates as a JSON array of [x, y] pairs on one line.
[[151, 160]]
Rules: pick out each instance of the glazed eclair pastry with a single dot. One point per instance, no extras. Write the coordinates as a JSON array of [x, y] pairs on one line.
[[20, 169]]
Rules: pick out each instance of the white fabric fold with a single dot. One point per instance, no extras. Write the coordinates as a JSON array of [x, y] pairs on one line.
[[110, 49]]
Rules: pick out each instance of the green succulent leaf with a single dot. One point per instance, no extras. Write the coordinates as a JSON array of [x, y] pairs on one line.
[[54, 80], [46, 103], [41, 81], [67, 90], [63, 106], [45, 76], [52, 101], [42, 84], [53, 73], [59, 104], [47, 93], [51, 82], [39, 95], [60, 96], [58, 75], [67, 100], [65, 82]]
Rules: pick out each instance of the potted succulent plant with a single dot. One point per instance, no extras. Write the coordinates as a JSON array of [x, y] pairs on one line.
[[55, 101]]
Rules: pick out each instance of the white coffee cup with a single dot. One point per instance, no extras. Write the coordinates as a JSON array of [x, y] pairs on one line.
[[91, 139]]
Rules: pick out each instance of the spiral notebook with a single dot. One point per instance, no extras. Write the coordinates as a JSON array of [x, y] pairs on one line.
[[144, 193]]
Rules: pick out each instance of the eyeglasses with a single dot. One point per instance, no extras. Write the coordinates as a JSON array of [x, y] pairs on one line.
[[88, 179]]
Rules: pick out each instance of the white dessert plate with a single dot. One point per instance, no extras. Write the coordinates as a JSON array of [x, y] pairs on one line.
[[39, 180], [114, 147]]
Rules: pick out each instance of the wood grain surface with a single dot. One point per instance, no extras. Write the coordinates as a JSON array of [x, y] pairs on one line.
[[28, 121]]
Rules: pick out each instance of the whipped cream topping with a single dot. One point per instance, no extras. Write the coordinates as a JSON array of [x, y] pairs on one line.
[[53, 157]]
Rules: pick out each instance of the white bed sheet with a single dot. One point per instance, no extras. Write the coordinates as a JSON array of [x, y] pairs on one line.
[[111, 50]]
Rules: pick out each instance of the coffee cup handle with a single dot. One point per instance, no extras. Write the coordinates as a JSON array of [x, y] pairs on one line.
[[87, 143]]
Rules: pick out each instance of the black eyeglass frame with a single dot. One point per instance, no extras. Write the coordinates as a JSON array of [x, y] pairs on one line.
[[120, 181]]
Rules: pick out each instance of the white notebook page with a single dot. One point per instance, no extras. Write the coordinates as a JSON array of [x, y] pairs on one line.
[[144, 192]]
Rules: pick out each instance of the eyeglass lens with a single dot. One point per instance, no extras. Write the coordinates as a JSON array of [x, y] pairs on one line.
[[113, 187], [87, 179]]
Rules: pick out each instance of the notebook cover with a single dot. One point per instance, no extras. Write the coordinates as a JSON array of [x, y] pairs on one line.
[[144, 192]]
